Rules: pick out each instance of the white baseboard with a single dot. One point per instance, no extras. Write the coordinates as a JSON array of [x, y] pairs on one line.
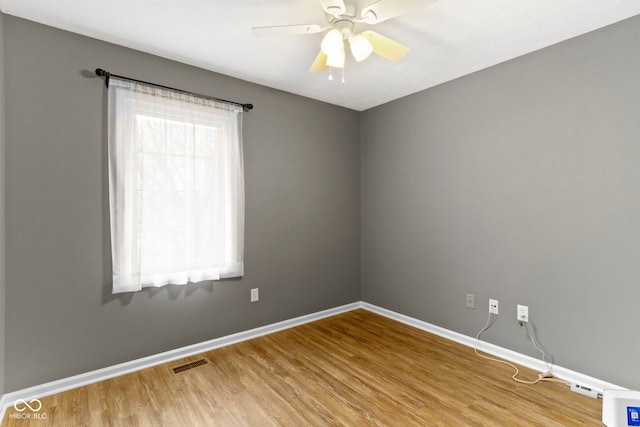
[[509, 355], [3, 408], [75, 381], [80, 380]]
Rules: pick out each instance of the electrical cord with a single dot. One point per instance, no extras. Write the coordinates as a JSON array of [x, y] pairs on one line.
[[544, 376], [533, 341]]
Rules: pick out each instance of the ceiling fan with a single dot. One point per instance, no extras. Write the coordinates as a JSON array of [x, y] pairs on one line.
[[342, 18]]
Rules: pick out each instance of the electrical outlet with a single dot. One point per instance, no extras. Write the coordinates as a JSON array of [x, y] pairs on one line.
[[523, 313], [471, 301], [255, 296], [493, 306]]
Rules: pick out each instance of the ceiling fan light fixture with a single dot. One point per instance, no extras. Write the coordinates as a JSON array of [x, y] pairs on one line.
[[332, 42], [361, 48], [336, 60]]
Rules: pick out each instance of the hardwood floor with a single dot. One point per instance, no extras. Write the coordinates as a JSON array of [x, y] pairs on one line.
[[353, 369]]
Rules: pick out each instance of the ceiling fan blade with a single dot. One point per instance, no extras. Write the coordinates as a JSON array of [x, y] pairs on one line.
[[333, 7], [385, 47], [320, 64], [381, 10], [286, 30]]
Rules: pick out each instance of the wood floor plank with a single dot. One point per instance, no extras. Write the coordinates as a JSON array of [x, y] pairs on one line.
[[353, 369]]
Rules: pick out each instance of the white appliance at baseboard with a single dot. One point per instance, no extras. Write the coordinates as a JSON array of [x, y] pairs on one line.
[[621, 408]]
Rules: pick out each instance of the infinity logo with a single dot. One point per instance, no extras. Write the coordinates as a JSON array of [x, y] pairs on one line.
[[34, 408]]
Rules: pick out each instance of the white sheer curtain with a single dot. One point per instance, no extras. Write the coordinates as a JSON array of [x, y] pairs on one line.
[[176, 187]]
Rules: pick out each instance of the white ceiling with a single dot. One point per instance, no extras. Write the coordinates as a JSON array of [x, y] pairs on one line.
[[448, 39]]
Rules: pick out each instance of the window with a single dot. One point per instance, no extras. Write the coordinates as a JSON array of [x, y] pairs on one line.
[[176, 187]]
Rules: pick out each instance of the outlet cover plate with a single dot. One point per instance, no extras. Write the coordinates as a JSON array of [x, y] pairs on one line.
[[523, 313], [471, 301], [493, 306], [255, 296]]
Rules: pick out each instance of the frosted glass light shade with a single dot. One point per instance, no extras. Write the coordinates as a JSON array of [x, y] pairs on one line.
[[336, 60], [332, 42], [360, 47]]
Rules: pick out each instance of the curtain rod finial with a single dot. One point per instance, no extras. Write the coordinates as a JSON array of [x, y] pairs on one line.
[[102, 73]]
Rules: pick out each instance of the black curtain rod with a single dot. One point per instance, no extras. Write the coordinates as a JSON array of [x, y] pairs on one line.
[[102, 73]]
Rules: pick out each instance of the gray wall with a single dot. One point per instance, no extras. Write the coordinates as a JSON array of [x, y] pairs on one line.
[[517, 183], [521, 183], [2, 264], [302, 212]]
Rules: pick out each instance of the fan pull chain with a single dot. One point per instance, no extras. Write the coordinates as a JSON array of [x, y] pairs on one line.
[[330, 75]]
